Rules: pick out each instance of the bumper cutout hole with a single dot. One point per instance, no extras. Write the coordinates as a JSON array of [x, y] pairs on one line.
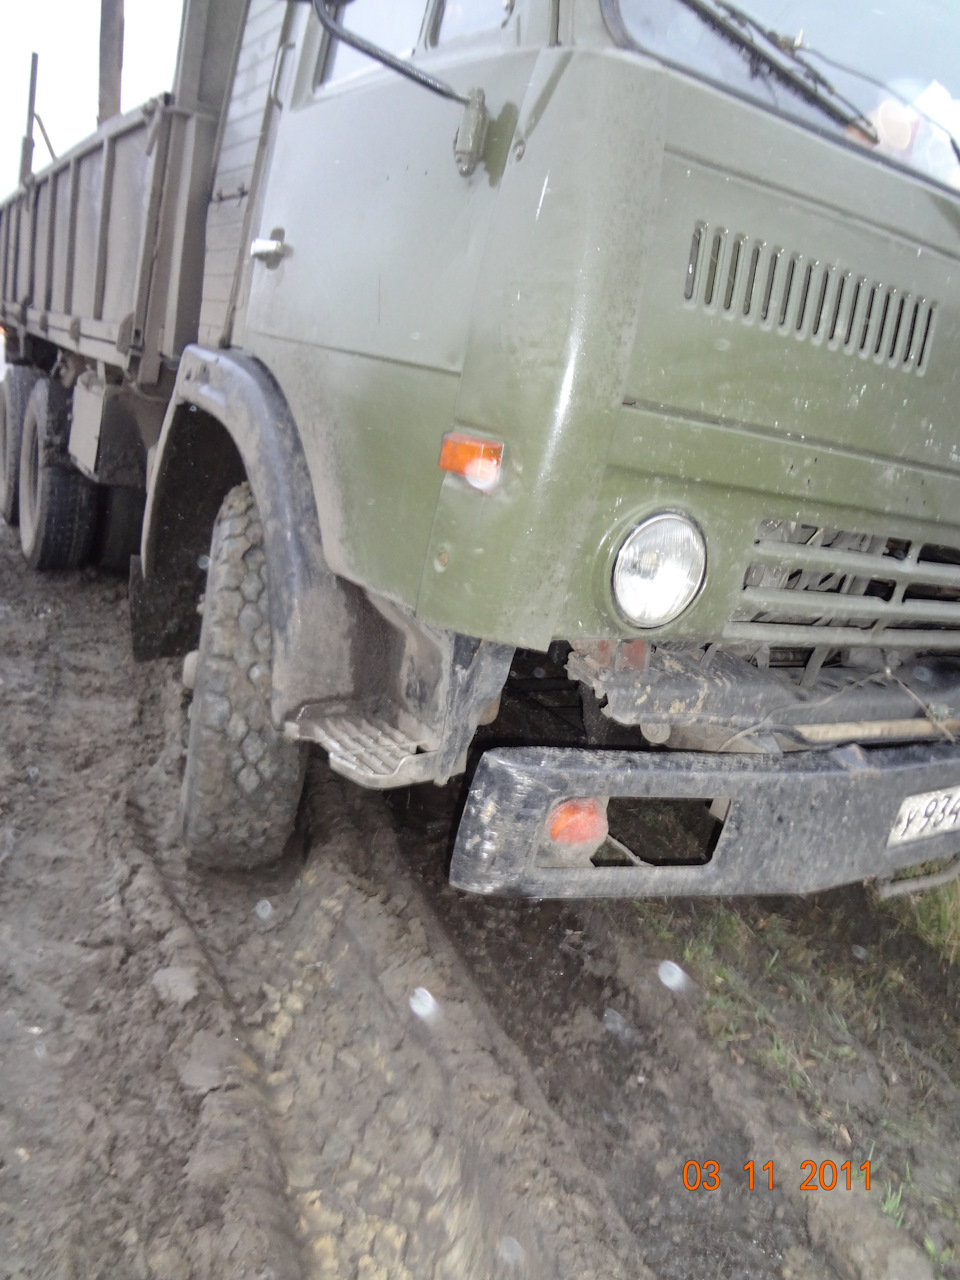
[[662, 832]]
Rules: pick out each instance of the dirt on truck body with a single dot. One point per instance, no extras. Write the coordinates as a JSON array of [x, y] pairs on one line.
[[438, 336]]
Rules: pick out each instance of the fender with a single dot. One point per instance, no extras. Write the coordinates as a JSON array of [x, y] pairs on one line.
[[311, 611]]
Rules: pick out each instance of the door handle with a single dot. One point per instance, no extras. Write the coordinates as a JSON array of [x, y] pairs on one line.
[[270, 249], [279, 58]]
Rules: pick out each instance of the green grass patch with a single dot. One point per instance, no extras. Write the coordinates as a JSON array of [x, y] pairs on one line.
[[933, 916]]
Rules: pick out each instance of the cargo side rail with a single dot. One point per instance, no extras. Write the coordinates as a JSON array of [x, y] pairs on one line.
[[92, 248]]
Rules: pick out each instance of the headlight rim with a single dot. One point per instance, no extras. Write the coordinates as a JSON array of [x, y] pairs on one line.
[[617, 551]]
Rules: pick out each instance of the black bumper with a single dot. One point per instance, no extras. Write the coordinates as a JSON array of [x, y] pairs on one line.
[[797, 823]]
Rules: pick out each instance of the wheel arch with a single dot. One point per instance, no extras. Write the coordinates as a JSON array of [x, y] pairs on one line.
[[228, 421]]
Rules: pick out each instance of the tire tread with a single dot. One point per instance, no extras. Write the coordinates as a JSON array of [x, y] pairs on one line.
[[66, 500], [243, 779], [14, 397]]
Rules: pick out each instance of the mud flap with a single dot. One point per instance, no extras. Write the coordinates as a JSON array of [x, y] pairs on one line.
[[164, 622], [796, 823]]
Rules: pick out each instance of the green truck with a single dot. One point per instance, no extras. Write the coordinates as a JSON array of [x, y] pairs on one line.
[[436, 335]]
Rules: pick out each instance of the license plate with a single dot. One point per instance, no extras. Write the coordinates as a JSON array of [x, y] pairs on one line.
[[934, 813]]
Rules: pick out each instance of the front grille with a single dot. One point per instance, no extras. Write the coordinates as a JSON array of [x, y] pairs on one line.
[[809, 586], [793, 293]]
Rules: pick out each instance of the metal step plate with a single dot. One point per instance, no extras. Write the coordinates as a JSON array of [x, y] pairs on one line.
[[364, 745]]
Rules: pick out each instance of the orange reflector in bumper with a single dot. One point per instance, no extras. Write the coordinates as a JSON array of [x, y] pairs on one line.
[[478, 461], [582, 821]]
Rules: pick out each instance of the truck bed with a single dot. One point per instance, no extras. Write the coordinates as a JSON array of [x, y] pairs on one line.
[[101, 253]]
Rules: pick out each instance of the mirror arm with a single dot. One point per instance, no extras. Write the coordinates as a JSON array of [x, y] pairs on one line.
[[330, 24], [468, 146]]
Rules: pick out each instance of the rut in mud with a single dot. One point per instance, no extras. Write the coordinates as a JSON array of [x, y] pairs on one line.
[[343, 1068]]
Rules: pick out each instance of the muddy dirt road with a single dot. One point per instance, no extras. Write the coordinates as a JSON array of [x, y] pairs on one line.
[[343, 1068]]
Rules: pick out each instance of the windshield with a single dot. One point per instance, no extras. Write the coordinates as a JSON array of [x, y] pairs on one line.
[[885, 74]]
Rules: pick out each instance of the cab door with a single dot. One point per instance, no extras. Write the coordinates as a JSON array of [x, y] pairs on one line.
[[362, 317]]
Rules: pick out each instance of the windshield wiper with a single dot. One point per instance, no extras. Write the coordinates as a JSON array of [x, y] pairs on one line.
[[885, 88], [760, 43]]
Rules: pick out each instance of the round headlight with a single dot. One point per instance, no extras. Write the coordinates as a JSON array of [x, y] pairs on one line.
[[659, 570]]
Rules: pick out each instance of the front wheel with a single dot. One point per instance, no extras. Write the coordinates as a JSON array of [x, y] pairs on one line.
[[243, 779]]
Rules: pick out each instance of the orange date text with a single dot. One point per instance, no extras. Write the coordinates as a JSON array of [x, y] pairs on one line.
[[826, 1176]]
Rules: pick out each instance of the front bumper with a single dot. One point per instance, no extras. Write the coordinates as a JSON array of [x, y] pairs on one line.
[[797, 823]]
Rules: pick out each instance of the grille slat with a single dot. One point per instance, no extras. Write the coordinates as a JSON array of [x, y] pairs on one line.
[[784, 291], [811, 586], [814, 603], [800, 637], [859, 564]]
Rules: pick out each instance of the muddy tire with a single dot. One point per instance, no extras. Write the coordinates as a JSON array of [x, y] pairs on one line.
[[14, 395], [58, 505], [243, 779], [119, 524]]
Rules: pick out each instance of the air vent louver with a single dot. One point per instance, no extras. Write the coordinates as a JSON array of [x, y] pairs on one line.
[[786, 291]]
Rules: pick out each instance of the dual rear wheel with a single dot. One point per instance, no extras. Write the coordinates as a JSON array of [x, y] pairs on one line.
[[14, 396], [58, 505], [65, 519]]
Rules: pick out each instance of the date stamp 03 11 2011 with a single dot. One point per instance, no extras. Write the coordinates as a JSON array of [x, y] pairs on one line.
[[705, 1176]]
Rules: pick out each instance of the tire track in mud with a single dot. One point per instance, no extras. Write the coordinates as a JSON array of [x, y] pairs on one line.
[[413, 1177], [414, 1142], [105, 996]]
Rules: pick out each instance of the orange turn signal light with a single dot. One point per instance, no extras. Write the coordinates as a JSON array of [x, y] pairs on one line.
[[478, 461], [581, 821]]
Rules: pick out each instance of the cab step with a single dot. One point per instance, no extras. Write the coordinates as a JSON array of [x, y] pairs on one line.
[[366, 745]]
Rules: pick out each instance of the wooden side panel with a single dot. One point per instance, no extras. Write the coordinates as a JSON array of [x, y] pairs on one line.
[[90, 174], [16, 220], [41, 246], [23, 249], [60, 274], [129, 194], [6, 213]]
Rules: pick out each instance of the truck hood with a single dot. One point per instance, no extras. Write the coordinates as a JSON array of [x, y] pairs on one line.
[[799, 289]]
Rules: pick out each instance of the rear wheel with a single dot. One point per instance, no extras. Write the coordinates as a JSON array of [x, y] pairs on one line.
[[58, 505], [243, 779], [14, 395]]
